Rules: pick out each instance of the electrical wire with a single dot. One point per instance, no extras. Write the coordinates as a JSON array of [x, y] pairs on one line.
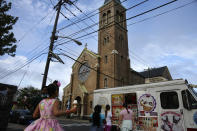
[[89, 67], [33, 27], [138, 15], [75, 22], [102, 27], [125, 19], [23, 77], [30, 53], [89, 16], [165, 12], [25, 64]]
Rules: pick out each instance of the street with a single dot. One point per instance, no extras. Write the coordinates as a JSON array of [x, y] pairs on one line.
[[66, 124]]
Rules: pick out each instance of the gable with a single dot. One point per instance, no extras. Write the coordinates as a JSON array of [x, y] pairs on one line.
[[83, 53]]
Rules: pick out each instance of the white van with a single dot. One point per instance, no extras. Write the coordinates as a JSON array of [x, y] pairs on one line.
[[163, 106]]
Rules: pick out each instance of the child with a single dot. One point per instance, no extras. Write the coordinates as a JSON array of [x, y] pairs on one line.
[[108, 116], [48, 109], [127, 118]]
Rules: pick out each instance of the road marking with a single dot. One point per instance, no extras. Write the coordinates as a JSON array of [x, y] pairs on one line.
[[75, 124]]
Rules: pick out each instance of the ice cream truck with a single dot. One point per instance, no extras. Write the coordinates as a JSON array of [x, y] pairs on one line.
[[163, 106]]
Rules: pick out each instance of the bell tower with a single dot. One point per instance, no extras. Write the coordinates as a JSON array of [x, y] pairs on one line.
[[113, 45]]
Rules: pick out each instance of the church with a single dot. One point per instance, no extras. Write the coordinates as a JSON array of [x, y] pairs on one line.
[[108, 68]]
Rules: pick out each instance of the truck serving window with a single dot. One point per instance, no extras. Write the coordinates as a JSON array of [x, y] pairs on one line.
[[188, 100], [169, 100]]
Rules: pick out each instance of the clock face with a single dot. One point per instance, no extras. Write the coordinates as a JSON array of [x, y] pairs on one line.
[[83, 72]]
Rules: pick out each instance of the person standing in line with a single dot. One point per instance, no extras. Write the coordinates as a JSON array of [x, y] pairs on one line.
[[108, 117], [48, 109], [126, 117], [97, 119]]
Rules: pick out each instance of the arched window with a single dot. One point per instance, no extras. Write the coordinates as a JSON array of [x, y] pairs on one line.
[[104, 41], [107, 39], [108, 16], [104, 18], [105, 83], [121, 58]]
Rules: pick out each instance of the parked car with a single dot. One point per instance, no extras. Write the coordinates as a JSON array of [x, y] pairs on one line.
[[21, 116]]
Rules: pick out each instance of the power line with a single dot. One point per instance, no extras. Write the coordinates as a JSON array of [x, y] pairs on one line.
[[107, 32], [139, 60], [152, 9], [90, 16], [137, 15], [75, 22], [16, 65], [109, 17], [162, 13], [102, 27], [30, 52], [25, 64], [138, 57], [23, 76], [34, 26], [90, 67]]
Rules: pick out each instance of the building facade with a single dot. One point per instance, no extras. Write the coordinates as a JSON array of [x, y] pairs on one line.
[[108, 68]]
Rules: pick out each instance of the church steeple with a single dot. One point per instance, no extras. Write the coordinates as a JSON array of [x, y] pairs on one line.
[[106, 1]]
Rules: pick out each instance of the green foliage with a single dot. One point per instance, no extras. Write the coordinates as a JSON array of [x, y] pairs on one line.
[[7, 39], [28, 97]]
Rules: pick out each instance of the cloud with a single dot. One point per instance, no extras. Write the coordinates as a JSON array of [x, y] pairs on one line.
[[179, 53], [33, 73]]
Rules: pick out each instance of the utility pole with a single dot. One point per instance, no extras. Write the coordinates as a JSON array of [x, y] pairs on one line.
[[51, 44]]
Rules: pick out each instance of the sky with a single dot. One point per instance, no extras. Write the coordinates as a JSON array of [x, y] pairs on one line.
[[166, 40]]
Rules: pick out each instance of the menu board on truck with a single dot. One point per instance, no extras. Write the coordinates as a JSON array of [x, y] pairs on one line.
[[117, 102]]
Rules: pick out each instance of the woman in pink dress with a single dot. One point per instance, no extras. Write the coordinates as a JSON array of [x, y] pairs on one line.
[[48, 109]]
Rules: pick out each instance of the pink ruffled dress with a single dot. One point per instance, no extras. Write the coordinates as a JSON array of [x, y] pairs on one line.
[[47, 121]]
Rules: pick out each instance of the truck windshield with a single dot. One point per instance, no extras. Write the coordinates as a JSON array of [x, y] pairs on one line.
[[194, 90], [188, 98]]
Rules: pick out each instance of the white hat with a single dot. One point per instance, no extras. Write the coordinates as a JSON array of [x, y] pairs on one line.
[[75, 102]]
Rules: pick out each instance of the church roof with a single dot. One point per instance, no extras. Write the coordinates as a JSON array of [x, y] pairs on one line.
[[137, 73], [154, 72], [106, 1], [87, 51]]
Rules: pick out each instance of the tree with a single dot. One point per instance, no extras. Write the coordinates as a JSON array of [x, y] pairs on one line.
[[7, 39], [28, 97]]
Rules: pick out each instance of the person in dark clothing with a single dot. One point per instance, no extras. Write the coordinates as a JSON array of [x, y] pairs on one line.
[[97, 119]]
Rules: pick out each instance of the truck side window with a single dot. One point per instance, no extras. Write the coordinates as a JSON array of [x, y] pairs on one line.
[[169, 100]]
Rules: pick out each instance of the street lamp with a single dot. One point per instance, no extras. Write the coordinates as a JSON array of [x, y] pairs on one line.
[[48, 78], [76, 41], [51, 54]]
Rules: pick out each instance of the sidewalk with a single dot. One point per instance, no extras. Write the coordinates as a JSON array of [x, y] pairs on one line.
[[15, 127]]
